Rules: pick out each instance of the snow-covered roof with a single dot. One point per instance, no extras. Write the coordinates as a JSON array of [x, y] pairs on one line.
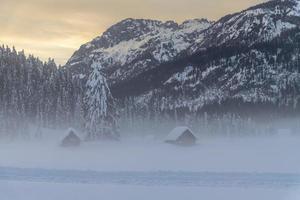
[[70, 130], [68, 133], [177, 132]]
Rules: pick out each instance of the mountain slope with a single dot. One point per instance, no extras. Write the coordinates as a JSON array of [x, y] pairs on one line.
[[250, 57], [132, 46], [263, 78], [260, 23]]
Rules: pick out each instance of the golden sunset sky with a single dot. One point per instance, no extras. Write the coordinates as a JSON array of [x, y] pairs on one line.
[[56, 28]]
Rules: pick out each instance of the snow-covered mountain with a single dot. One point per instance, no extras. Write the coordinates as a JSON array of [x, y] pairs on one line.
[[134, 45], [250, 57], [256, 24]]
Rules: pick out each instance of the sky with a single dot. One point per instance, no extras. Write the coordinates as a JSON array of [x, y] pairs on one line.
[[56, 28]]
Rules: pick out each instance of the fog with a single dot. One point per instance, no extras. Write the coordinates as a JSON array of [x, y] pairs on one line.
[[248, 161], [267, 154], [274, 151]]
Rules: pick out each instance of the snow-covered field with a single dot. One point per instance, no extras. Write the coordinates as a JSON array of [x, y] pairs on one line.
[[51, 191], [266, 154], [216, 168]]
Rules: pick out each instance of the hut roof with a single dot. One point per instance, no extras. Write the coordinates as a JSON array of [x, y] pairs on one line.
[[71, 139], [71, 133], [177, 132]]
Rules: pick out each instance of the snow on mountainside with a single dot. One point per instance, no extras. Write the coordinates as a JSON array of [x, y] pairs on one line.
[[138, 43], [256, 24], [259, 82], [252, 55], [267, 74], [134, 46]]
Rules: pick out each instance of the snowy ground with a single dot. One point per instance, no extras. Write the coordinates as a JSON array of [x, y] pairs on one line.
[[232, 168], [51, 191]]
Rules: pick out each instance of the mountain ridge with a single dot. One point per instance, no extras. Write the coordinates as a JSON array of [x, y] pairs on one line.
[[155, 40], [149, 66]]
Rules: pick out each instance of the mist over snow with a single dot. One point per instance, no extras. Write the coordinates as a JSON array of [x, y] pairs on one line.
[[215, 154], [261, 167]]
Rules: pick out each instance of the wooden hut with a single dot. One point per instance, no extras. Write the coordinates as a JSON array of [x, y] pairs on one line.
[[181, 136], [71, 139]]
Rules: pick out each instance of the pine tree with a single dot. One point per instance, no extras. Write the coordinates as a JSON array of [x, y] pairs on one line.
[[101, 115]]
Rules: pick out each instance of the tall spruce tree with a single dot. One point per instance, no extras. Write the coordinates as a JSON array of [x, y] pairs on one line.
[[101, 114]]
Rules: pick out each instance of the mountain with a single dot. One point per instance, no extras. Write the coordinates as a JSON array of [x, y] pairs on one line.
[[133, 46], [260, 23], [250, 59]]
